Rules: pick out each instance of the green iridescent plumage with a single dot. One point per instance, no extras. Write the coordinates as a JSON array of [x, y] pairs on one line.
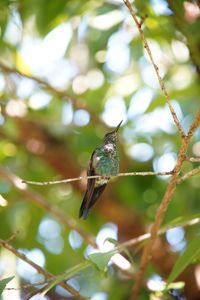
[[108, 161], [105, 162]]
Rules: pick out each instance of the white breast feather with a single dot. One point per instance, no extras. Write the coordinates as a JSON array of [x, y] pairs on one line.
[[109, 147]]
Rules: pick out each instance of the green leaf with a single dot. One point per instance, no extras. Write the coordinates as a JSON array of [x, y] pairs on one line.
[[176, 285], [101, 260], [122, 248], [4, 282], [191, 253], [50, 14], [65, 276]]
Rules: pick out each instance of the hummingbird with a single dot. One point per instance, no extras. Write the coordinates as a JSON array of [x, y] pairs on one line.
[[104, 161]]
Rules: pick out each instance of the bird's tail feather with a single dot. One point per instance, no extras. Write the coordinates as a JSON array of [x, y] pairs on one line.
[[89, 200], [84, 210]]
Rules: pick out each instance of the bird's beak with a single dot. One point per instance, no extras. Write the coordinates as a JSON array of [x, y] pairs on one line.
[[117, 128]]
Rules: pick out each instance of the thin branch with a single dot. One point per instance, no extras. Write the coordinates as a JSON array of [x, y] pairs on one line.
[[193, 159], [189, 174], [60, 215], [39, 269], [163, 207], [162, 85], [97, 176], [31, 285], [161, 231], [129, 243], [53, 210]]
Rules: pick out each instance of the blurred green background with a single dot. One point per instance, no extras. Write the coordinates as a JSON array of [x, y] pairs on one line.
[[70, 71]]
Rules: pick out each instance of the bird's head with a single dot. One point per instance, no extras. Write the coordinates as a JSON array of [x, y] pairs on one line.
[[111, 137]]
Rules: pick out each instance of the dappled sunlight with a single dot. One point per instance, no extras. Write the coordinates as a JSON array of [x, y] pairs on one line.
[[180, 51], [196, 149], [160, 7], [182, 77], [79, 56], [36, 52], [67, 113], [159, 119], [70, 71], [16, 108], [39, 100], [80, 84], [95, 79], [148, 74], [99, 296], [165, 162], [13, 32], [60, 74], [81, 117], [114, 111], [39, 297], [3, 201], [49, 234], [140, 102], [49, 228], [75, 239], [155, 283], [25, 88], [109, 230], [117, 58], [25, 270], [106, 21], [125, 85], [141, 152], [176, 239], [121, 262], [2, 82]]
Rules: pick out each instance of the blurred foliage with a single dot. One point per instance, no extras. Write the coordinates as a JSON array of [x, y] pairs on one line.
[[90, 55]]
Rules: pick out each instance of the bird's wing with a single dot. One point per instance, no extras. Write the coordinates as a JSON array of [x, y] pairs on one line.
[[89, 191]]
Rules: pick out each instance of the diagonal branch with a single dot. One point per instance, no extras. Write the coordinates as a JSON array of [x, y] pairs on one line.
[[54, 211], [162, 85], [38, 200], [39, 269], [44, 84], [163, 206]]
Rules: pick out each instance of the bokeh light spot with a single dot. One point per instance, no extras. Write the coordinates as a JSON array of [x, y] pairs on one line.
[[75, 239], [109, 230], [81, 117], [114, 111], [39, 100], [141, 152], [175, 237], [24, 269], [49, 229]]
